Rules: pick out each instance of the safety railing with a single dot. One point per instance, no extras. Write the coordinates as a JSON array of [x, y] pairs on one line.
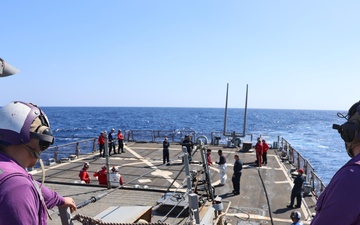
[[70, 151], [312, 181], [157, 135]]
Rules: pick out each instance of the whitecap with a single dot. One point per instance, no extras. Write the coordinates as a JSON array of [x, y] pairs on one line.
[[322, 146]]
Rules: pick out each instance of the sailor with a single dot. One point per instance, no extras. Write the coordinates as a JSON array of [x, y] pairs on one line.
[[115, 177], [101, 175], [297, 190], [237, 175], [101, 142], [111, 141], [84, 175], [189, 146], [222, 168], [24, 134], [295, 216], [166, 153], [120, 138], [265, 150], [208, 157], [259, 152]]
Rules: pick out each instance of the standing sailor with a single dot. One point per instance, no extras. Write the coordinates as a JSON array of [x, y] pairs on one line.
[[222, 168], [237, 175]]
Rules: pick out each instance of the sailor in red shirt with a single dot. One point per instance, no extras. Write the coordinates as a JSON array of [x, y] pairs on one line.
[[101, 142], [101, 175], [84, 175], [208, 157], [120, 137], [265, 149], [259, 152]]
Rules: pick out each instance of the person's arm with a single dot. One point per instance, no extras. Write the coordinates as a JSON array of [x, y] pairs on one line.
[[121, 181]]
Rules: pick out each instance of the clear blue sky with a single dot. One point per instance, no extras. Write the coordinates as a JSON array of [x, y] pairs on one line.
[[292, 54]]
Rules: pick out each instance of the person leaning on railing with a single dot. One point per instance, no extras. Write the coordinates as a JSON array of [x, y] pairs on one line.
[[24, 134]]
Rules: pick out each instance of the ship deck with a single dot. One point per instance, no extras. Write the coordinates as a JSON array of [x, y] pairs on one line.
[[264, 191]]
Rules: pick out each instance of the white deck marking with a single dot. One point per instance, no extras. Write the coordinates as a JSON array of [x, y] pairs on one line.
[[144, 180], [147, 162]]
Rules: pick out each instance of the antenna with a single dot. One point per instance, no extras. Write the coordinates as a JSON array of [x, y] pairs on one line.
[[245, 114], [226, 108], [234, 134]]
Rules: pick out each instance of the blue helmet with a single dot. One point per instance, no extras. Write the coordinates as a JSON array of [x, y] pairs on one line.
[[20, 121]]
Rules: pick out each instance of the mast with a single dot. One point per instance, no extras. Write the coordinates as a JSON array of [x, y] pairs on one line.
[[234, 134], [226, 108], [245, 115]]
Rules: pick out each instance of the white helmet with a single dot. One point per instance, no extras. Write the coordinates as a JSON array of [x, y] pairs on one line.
[[20, 121]]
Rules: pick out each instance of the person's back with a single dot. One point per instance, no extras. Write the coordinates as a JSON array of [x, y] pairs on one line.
[[115, 178], [101, 176], [298, 182]]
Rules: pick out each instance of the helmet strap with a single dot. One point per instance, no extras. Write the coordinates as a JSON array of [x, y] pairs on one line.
[[33, 152]]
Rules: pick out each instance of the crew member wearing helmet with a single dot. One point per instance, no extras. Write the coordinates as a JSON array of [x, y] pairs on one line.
[[24, 133], [84, 175], [115, 177], [101, 175], [339, 202], [295, 216]]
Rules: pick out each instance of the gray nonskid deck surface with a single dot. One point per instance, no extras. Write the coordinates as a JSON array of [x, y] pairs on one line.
[[141, 165]]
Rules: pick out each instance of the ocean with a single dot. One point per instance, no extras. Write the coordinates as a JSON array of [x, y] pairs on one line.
[[308, 131]]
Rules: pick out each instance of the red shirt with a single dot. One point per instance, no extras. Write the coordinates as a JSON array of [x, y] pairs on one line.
[[84, 175], [102, 176], [259, 148], [265, 147], [120, 136], [101, 140], [209, 160]]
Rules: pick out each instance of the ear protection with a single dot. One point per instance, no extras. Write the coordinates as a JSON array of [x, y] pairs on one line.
[[40, 129], [20, 121], [86, 165], [350, 130], [295, 215]]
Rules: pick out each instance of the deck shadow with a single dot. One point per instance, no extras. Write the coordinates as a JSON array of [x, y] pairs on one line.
[[282, 210]]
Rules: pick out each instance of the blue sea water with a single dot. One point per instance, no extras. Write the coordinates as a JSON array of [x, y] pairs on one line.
[[308, 131]]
